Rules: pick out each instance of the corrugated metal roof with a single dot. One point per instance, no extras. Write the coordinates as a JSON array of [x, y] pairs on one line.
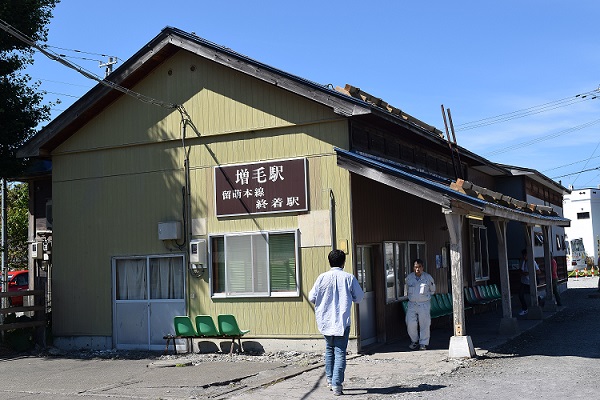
[[487, 202]]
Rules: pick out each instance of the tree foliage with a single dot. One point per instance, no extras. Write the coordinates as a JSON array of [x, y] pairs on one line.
[[17, 221], [21, 108]]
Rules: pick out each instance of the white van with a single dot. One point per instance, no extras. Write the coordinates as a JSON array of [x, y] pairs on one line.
[[576, 255]]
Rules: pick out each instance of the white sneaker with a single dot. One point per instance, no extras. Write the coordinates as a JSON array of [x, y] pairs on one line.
[[337, 390], [523, 312], [413, 346]]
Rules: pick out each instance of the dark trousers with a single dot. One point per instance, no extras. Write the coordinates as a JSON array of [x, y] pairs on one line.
[[556, 293], [522, 292], [525, 289]]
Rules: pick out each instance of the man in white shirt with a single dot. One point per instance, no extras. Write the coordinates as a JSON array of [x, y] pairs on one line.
[[333, 294], [420, 286]]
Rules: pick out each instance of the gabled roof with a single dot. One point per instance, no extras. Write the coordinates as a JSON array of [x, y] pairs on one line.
[[170, 40], [536, 176], [164, 45]]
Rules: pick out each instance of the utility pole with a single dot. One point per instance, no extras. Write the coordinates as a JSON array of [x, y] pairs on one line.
[[111, 61]]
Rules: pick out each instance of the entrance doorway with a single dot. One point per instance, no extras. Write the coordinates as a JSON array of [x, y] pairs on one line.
[[366, 308], [147, 293]]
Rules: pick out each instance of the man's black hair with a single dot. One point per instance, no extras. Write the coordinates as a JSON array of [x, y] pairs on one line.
[[418, 261], [337, 258]]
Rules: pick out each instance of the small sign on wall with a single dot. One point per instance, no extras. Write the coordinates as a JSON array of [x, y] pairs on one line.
[[261, 188]]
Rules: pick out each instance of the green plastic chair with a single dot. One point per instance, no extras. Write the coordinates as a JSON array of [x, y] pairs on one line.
[[445, 300], [470, 296], [184, 326], [435, 309], [485, 293], [496, 291], [229, 327], [185, 329], [205, 326]]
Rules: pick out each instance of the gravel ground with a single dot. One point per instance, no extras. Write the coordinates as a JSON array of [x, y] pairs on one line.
[[294, 358]]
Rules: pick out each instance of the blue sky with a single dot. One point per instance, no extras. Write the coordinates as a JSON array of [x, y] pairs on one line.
[[479, 59]]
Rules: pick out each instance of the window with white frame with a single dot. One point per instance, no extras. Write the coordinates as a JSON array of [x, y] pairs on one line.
[[479, 253], [262, 264], [399, 257]]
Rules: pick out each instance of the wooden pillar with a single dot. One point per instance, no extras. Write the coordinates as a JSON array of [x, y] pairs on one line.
[[508, 323], [461, 345], [535, 311], [549, 304]]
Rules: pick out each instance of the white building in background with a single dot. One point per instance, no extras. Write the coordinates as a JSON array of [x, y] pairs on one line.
[[582, 207]]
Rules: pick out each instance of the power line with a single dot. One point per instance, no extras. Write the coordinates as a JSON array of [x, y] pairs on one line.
[[578, 172], [80, 51], [567, 101], [80, 58], [588, 160], [62, 94], [568, 165], [53, 56], [542, 139], [62, 83]]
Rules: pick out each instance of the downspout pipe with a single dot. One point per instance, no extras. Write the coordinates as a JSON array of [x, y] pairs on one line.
[[332, 218]]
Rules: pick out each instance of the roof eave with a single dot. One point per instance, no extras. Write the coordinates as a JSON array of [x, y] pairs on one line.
[[166, 43]]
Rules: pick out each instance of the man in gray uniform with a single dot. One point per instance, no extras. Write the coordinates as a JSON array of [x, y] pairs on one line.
[[420, 286]]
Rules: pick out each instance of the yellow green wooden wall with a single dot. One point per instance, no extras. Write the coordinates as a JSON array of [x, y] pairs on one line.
[[121, 174]]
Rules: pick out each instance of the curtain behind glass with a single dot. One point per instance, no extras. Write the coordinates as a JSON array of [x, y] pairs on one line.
[[131, 279], [282, 262], [238, 263], [246, 263], [166, 278]]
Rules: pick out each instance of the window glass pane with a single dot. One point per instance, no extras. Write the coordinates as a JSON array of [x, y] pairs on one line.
[[479, 249], [363, 267], [368, 269], [238, 261], [583, 215], [218, 264], [260, 269], [390, 271], [131, 279], [476, 250], [282, 262], [485, 267], [258, 263], [404, 267], [166, 278]]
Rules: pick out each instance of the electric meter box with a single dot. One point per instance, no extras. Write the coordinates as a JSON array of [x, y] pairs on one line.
[[37, 250], [170, 230], [198, 251]]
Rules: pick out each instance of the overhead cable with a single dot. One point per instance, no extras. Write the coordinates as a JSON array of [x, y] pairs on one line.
[[591, 95], [56, 57], [542, 139], [586, 163]]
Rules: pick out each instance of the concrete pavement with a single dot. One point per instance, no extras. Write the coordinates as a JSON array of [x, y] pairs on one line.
[[383, 370]]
